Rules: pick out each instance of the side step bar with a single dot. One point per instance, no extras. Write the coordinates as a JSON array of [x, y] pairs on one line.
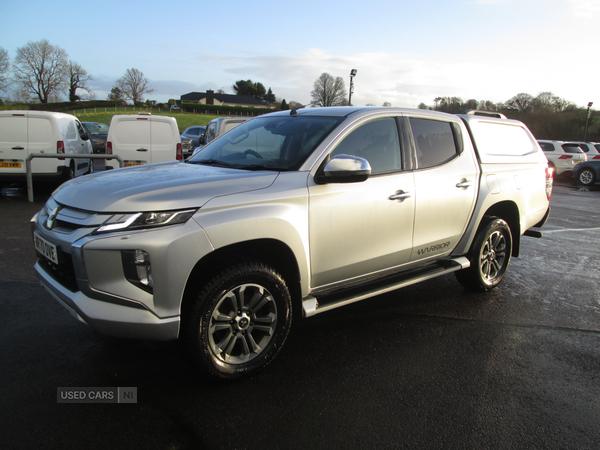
[[311, 307]]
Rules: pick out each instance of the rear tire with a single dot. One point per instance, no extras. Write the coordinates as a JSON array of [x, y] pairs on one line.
[[239, 321], [69, 172], [489, 255]]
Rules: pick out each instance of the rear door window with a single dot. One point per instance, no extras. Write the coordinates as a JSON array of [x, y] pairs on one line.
[[434, 141]]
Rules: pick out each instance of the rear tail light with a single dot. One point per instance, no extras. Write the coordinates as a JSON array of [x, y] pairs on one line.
[[179, 152], [549, 181], [566, 157], [109, 148], [60, 149], [596, 157]]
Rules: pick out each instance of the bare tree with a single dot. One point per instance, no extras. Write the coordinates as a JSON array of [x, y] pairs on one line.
[[521, 102], [328, 91], [4, 66], [78, 78], [134, 85], [41, 69]]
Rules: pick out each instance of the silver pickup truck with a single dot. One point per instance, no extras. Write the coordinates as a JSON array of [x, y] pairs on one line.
[[291, 213]]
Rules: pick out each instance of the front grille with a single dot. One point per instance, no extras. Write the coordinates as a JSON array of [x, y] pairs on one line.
[[64, 273]]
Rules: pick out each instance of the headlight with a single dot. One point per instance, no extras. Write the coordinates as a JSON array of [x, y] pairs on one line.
[[138, 221]]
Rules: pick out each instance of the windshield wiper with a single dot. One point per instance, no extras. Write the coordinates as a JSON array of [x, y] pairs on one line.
[[216, 162], [263, 167]]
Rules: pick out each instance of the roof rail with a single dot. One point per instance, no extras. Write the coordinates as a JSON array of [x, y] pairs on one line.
[[477, 112]]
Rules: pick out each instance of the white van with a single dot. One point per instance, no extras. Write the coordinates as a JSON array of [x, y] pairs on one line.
[[26, 132], [143, 139]]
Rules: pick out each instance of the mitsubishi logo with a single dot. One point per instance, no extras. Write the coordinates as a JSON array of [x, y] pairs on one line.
[[51, 218]]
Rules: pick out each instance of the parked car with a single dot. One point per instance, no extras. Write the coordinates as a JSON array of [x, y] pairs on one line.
[[562, 156], [217, 127], [192, 134], [294, 213], [26, 132], [98, 133], [175, 108], [591, 149], [143, 139], [587, 173]]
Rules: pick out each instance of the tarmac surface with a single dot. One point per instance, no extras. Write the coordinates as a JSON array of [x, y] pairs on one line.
[[431, 366]]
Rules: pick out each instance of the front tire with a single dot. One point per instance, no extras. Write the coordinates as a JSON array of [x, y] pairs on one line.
[[239, 322], [490, 256], [586, 176]]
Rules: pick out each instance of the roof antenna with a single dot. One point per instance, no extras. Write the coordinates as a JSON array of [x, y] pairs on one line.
[[294, 112]]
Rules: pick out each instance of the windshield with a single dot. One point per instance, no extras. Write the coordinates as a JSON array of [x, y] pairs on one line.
[[96, 128], [275, 143]]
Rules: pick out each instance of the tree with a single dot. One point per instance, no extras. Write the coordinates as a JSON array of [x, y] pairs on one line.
[[78, 78], [41, 69], [134, 85], [4, 66], [270, 97], [470, 104], [550, 102], [255, 90], [284, 105], [523, 103], [115, 95], [328, 91]]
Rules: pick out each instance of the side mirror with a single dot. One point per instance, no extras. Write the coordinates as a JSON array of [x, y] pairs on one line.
[[345, 169], [203, 139]]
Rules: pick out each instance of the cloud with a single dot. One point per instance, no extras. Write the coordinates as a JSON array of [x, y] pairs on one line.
[[584, 9]]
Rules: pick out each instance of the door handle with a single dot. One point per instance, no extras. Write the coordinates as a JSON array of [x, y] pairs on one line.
[[400, 196], [464, 183], [18, 148], [141, 150]]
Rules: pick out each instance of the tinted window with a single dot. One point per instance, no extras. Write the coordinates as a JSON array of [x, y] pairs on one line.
[[572, 148], [547, 146], [80, 130], [377, 142], [434, 141], [212, 130]]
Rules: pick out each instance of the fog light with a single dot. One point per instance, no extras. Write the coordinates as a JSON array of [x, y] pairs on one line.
[[138, 269]]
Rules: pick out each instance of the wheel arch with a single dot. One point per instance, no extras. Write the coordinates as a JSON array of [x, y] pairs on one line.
[[271, 252], [509, 212]]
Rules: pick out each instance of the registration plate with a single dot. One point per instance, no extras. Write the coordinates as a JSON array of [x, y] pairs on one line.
[[10, 165], [45, 248], [130, 164]]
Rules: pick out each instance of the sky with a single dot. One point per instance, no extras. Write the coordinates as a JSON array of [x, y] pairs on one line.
[[405, 52]]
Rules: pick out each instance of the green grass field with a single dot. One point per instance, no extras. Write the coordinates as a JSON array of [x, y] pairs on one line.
[[184, 120]]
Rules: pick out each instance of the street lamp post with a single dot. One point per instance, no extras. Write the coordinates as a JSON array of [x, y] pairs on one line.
[[352, 75], [587, 119]]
